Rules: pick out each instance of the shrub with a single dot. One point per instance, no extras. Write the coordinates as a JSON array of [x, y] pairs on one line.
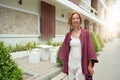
[[100, 39], [10, 48], [59, 61], [56, 43], [95, 41], [8, 68], [21, 47], [49, 42]]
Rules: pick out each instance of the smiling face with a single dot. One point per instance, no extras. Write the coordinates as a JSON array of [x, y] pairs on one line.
[[75, 20]]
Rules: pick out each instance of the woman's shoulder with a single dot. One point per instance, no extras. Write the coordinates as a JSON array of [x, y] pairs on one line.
[[85, 31], [68, 33]]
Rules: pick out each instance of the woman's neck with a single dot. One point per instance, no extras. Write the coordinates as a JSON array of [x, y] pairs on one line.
[[76, 29]]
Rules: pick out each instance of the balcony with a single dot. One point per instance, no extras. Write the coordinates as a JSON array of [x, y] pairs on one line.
[[85, 6]]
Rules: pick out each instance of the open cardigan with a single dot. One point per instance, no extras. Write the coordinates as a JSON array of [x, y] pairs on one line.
[[88, 52]]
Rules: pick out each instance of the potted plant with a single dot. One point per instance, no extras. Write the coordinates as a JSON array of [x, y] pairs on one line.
[[34, 56], [21, 50], [54, 51]]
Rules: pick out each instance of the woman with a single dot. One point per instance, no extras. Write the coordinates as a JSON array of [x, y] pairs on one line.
[[77, 51]]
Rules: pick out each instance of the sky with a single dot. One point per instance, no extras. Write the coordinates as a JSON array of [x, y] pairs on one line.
[[118, 2]]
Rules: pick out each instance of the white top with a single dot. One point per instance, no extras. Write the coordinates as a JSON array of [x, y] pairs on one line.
[[74, 64], [75, 53]]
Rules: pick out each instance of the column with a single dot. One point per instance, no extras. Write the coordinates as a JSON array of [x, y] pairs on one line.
[[86, 23]]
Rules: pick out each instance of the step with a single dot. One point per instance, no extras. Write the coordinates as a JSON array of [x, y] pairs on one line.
[[44, 70], [61, 76], [66, 78]]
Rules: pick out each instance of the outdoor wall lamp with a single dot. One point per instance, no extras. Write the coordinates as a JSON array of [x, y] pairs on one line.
[[62, 15], [20, 2]]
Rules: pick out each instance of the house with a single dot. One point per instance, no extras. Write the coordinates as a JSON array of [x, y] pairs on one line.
[[39, 20]]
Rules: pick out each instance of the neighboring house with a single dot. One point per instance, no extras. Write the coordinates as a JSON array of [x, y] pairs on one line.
[[39, 20]]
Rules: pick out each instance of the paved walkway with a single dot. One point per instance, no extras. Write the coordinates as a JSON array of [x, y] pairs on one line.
[[44, 70], [108, 67]]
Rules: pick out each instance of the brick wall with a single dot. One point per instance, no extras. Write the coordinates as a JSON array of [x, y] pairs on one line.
[[17, 22]]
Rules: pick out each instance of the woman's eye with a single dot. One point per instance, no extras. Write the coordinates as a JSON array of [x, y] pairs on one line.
[[75, 18]]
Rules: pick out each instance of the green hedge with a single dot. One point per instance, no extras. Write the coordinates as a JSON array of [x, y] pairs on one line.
[[95, 41], [50, 42], [8, 68], [22, 47], [100, 39]]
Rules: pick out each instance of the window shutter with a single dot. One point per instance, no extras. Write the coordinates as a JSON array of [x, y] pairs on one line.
[[47, 20], [77, 2]]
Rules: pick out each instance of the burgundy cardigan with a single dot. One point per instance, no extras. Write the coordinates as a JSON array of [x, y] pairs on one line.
[[88, 52]]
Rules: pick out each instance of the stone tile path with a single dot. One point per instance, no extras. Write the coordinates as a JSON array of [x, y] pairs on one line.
[[44, 70]]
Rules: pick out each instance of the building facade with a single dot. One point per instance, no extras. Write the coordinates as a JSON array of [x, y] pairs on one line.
[[39, 20]]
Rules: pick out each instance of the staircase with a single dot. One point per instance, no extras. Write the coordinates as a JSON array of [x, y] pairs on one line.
[[61, 76]]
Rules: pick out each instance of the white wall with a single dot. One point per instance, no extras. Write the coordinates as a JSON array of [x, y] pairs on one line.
[[59, 15], [13, 39], [89, 2], [21, 39]]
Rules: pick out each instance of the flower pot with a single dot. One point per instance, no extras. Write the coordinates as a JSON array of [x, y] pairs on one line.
[[45, 55], [34, 56], [53, 54], [19, 54], [44, 52]]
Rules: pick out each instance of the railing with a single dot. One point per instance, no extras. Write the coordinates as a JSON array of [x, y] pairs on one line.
[[105, 2], [84, 5]]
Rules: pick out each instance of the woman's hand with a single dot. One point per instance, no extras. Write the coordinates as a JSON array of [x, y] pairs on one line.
[[90, 68]]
